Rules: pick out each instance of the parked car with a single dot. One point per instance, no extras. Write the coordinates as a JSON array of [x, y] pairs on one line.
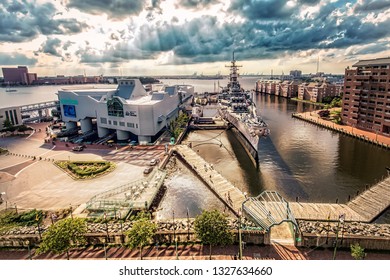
[[147, 170], [78, 148], [153, 162]]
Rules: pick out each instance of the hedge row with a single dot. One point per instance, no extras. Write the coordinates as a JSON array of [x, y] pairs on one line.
[[89, 171]]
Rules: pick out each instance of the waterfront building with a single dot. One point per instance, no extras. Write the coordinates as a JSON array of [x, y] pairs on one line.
[[317, 91], [69, 80], [275, 87], [366, 99], [130, 111], [18, 76], [12, 114]]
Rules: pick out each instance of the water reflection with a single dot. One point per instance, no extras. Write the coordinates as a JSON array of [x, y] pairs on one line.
[[187, 195]]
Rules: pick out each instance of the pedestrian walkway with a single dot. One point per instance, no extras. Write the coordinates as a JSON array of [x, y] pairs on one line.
[[371, 137], [225, 191], [195, 252]]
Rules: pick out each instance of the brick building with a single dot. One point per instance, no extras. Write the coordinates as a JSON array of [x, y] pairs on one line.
[[275, 87], [316, 91], [366, 100], [18, 76]]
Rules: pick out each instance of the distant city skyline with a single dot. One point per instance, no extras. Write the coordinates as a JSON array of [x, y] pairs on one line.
[[171, 37]]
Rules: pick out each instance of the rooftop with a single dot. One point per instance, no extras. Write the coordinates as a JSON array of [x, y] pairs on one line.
[[371, 62]]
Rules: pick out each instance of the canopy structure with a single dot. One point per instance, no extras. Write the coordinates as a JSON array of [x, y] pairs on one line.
[[268, 209]]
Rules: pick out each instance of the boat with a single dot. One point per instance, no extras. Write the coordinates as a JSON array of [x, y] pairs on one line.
[[9, 89], [237, 108]]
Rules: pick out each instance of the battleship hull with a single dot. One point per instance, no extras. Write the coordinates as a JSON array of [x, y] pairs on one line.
[[248, 140]]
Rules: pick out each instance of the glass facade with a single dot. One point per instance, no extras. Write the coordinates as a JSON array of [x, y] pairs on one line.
[[115, 108]]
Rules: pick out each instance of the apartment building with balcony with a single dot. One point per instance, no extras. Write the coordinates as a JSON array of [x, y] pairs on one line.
[[275, 87], [317, 91], [366, 99]]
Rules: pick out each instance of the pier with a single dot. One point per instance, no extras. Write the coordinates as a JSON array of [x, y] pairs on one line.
[[372, 202], [230, 195], [365, 207]]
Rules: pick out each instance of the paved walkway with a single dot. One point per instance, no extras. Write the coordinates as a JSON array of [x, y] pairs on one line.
[[314, 117], [199, 252]]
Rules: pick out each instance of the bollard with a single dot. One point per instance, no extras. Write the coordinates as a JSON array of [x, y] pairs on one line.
[[337, 200], [297, 199], [349, 197]]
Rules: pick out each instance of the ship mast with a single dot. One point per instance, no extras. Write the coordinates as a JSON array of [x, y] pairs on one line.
[[233, 76]]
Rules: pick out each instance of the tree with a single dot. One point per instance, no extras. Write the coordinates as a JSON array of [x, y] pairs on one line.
[[141, 233], [212, 228], [63, 235], [7, 124], [357, 252]]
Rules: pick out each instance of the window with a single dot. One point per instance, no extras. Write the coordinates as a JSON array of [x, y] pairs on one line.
[[115, 108], [103, 120], [122, 123], [16, 117], [109, 122], [130, 125], [136, 125], [115, 122]]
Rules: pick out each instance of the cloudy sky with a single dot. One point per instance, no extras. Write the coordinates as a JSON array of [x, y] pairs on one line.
[[155, 37]]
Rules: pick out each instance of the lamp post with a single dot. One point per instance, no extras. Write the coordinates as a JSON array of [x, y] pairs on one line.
[[105, 221], [239, 234], [188, 225], [341, 220], [174, 226]]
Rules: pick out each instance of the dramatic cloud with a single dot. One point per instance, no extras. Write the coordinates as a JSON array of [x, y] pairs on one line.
[[51, 47], [16, 59], [197, 3], [23, 21], [115, 9], [372, 5], [262, 9], [120, 52], [178, 32]]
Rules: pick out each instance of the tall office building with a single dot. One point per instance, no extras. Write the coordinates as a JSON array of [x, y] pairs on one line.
[[366, 99]]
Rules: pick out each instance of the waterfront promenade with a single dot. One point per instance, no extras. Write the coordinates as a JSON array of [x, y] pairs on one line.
[[223, 189], [363, 135], [363, 208]]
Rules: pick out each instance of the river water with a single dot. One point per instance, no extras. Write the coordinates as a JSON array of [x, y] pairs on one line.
[[297, 160]]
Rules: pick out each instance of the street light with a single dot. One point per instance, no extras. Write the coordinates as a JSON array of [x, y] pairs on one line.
[[188, 225], [341, 220], [239, 234]]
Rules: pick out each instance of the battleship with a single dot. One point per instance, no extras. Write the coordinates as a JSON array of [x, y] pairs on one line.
[[237, 108]]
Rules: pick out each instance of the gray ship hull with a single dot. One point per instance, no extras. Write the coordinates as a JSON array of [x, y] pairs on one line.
[[248, 140]]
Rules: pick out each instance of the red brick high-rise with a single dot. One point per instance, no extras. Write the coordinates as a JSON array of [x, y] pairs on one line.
[[366, 99]]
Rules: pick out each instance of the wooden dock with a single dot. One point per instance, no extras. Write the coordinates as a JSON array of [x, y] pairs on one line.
[[372, 202], [231, 196], [363, 208], [324, 211]]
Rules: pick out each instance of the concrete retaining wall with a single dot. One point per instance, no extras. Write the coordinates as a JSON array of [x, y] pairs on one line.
[[33, 240], [323, 241]]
